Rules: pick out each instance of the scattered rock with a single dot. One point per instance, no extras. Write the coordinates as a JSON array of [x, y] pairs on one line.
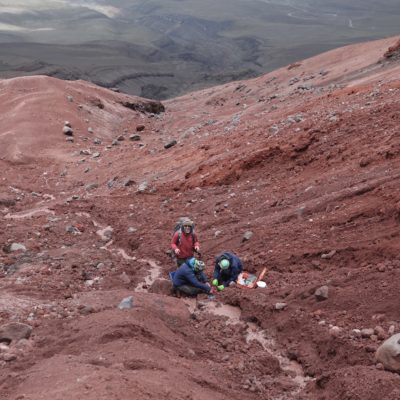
[[247, 236], [380, 332], [322, 293], [170, 144], [125, 278], [9, 357], [329, 255], [91, 186], [106, 233], [128, 182], [134, 137], [68, 131], [367, 332], [17, 247], [140, 128], [161, 286], [335, 331], [388, 353], [142, 187], [126, 303], [14, 331], [280, 306], [356, 333]]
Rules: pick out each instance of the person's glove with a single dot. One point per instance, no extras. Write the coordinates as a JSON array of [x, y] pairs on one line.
[[177, 252], [215, 282], [221, 288]]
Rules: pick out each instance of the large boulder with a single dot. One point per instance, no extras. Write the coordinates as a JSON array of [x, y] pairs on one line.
[[389, 353], [161, 286], [14, 332]]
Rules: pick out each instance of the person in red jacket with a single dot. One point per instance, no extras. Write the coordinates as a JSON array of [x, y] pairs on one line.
[[185, 242]]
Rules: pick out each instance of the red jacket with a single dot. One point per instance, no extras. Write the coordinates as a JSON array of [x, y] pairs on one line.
[[186, 244]]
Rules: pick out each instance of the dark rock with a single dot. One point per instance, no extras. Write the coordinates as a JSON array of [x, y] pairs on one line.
[[14, 331], [68, 131], [170, 144], [322, 293]]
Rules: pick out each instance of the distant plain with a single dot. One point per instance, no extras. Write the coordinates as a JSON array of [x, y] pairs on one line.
[[161, 49]]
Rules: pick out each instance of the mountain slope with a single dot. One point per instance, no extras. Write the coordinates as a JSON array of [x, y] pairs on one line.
[[305, 157]]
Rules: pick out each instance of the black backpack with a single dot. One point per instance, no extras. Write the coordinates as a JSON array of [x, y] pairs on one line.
[[178, 228]]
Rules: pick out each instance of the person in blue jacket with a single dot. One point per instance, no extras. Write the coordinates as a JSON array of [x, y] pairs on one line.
[[190, 279], [227, 268]]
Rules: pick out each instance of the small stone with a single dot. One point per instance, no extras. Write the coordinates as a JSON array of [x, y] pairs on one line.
[[170, 144], [17, 247], [135, 137], [367, 332], [381, 267], [380, 332], [9, 357], [280, 306], [69, 139], [335, 331], [128, 182], [91, 186], [247, 236], [68, 131], [140, 128], [97, 141], [328, 255], [142, 187], [96, 155], [126, 303], [356, 333], [121, 138], [90, 130], [322, 293]]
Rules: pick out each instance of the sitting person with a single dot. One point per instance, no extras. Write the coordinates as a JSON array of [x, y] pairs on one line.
[[190, 279], [226, 271]]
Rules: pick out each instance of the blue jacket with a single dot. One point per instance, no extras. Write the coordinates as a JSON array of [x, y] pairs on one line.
[[185, 275], [225, 277]]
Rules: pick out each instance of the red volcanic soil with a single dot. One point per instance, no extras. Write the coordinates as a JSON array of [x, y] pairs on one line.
[[307, 158]]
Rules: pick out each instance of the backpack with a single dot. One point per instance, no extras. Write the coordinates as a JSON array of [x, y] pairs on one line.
[[178, 228]]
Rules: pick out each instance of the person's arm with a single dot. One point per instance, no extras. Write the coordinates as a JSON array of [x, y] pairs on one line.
[[174, 242], [202, 277], [216, 271], [233, 277], [191, 277], [196, 243]]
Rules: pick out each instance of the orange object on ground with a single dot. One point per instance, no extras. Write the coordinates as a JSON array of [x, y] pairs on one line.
[[249, 281]]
